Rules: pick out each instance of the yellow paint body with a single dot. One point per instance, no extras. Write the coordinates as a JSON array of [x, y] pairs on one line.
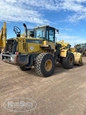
[[63, 52], [49, 43], [30, 45]]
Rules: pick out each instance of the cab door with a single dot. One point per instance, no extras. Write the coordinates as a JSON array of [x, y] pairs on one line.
[[51, 37]]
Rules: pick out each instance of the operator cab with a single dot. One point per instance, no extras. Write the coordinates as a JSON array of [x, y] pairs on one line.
[[45, 32]]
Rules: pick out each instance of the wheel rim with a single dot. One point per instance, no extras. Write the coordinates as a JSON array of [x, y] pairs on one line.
[[48, 65], [71, 61]]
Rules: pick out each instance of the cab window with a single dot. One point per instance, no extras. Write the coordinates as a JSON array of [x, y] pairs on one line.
[[51, 35], [40, 33]]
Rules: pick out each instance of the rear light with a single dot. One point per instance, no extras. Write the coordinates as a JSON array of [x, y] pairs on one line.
[[16, 53]]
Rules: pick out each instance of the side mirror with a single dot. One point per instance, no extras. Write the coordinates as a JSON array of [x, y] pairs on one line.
[[58, 31]]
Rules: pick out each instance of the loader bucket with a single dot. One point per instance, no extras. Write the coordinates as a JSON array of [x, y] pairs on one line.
[[78, 58]]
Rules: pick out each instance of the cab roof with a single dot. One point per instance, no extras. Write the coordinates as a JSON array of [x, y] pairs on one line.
[[45, 26]]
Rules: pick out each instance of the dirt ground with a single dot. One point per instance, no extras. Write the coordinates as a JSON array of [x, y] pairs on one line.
[[64, 93]]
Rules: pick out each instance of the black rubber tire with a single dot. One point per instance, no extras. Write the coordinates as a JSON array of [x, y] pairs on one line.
[[40, 64], [66, 61], [23, 68]]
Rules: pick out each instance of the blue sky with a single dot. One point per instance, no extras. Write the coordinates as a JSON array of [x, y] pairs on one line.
[[69, 16]]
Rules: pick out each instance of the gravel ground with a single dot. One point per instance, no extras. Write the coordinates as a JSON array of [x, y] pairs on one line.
[[64, 93]]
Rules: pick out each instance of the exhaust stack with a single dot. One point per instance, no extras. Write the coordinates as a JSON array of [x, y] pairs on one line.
[[25, 28]]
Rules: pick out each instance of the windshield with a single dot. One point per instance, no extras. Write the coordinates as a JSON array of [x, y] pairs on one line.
[[40, 33]]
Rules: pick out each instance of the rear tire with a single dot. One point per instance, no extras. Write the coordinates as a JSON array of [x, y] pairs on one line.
[[44, 64], [68, 62]]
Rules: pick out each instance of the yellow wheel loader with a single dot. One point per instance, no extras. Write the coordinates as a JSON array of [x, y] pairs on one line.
[[41, 51]]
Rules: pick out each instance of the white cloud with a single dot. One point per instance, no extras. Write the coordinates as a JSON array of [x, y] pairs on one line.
[[12, 12], [42, 4], [78, 9], [77, 17], [71, 5], [32, 10]]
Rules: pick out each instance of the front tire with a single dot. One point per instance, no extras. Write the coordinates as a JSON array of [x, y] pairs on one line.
[[44, 64], [68, 62]]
